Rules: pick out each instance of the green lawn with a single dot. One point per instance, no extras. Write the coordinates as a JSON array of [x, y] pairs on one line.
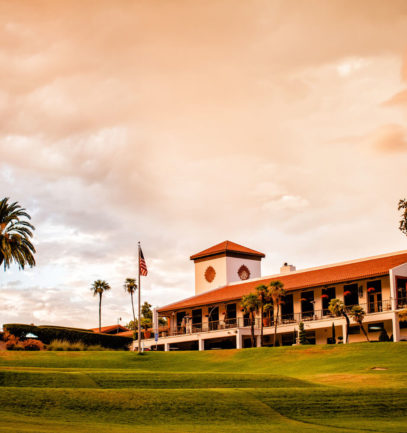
[[301, 389]]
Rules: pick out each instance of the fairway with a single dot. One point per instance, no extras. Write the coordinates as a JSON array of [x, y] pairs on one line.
[[301, 389]]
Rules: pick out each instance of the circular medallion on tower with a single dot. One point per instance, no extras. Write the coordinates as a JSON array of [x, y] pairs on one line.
[[243, 272], [210, 274]]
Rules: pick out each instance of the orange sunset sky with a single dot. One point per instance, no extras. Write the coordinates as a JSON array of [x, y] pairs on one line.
[[280, 125]]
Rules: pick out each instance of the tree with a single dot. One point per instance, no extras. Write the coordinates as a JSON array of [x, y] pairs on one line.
[[337, 308], [277, 291], [264, 298], [403, 222], [130, 286], [333, 333], [98, 288], [250, 305], [146, 318], [358, 314], [303, 335], [146, 311], [15, 234]]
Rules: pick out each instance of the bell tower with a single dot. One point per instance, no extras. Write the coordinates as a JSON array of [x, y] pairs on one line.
[[225, 263]]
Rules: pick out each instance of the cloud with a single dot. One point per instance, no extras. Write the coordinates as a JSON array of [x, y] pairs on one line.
[[390, 139], [182, 124]]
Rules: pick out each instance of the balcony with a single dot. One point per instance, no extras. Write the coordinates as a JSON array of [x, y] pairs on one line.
[[293, 318]]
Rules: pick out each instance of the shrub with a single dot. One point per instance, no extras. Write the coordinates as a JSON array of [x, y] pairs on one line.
[[59, 345], [47, 334], [33, 345], [12, 342], [302, 335]]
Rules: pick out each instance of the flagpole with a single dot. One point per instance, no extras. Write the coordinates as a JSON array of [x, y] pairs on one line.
[[139, 302]]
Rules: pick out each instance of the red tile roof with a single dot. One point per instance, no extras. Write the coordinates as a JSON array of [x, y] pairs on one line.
[[126, 334], [107, 329], [225, 247], [330, 274]]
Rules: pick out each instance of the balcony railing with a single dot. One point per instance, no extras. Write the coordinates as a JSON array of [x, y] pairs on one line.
[[306, 316], [402, 303]]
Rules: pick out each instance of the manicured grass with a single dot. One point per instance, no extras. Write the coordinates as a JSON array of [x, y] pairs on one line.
[[301, 389]]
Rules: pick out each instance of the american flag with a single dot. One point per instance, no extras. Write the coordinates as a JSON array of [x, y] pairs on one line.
[[142, 264]]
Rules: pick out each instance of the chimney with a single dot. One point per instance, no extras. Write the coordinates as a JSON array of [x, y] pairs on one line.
[[286, 268]]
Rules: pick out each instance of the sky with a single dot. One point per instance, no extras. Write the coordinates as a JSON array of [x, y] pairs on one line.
[[279, 125]]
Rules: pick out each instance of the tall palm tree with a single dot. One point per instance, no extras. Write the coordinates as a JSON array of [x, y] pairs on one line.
[[358, 314], [15, 234], [264, 297], [277, 291], [250, 305], [130, 286], [337, 308], [98, 288]]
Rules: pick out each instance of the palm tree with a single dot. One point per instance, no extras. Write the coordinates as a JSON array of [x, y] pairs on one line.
[[98, 288], [15, 234], [358, 314], [264, 297], [337, 308], [130, 286], [277, 291], [250, 304]]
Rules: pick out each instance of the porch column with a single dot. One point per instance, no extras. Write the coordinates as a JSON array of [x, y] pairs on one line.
[[396, 327], [344, 333], [201, 344], [258, 341], [166, 347], [239, 340]]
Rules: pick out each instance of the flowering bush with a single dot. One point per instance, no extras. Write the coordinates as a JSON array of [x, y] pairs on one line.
[[324, 296], [12, 342], [33, 345], [347, 293], [371, 289]]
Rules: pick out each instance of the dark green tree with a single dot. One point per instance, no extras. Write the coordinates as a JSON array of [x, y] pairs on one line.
[[130, 286], [98, 288], [302, 334], [338, 309], [333, 333], [277, 292], [15, 234], [264, 297], [250, 305], [358, 314]]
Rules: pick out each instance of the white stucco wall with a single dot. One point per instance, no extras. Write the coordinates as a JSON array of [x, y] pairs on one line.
[[201, 285], [233, 265], [226, 269]]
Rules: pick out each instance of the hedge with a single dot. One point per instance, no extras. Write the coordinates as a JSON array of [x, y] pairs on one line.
[[49, 333]]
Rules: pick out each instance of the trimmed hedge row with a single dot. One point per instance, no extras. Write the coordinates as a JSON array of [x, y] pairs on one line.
[[49, 333]]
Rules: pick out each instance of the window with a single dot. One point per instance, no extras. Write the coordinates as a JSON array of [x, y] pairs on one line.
[[401, 292], [197, 317], [328, 293], [353, 330], [230, 317], [350, 294], [287, 308], [307, 304], [375, 327], [374, 296]]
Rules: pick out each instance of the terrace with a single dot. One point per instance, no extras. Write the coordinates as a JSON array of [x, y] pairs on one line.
[[285, 319]]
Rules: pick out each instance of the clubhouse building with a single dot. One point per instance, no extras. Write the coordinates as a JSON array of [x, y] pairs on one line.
[[213, 317]]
